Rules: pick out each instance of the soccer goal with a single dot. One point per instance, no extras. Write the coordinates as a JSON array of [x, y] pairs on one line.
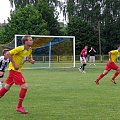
[[51, 51]]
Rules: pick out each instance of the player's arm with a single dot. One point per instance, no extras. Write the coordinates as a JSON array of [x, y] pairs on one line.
[[110, 56], [90, 50], [118, 57], [94, 50], [30, 59], [11, 59]]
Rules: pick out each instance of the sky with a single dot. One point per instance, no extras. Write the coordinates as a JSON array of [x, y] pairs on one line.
[[4, 10]]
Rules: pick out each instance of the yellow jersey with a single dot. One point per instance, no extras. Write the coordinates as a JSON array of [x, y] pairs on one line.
[[19, 55], [114, 54]]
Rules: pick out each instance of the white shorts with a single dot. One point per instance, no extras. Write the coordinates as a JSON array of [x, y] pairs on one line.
[[83, 60], [92, 59]]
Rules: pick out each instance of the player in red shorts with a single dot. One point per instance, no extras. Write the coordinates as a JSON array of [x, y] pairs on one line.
[[83, 57], [111, 64], [18, 56]]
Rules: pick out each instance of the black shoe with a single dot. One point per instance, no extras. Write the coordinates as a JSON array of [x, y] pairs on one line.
[[113, 81], [80, 69], [97, 82]]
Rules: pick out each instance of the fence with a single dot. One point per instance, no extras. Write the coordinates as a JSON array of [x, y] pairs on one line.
[[98, 58], [62, 58]]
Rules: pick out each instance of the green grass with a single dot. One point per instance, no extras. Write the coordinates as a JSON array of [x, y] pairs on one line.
[[65, 94]]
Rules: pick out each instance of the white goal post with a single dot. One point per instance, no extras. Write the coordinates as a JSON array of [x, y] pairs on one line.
[[51, 51]]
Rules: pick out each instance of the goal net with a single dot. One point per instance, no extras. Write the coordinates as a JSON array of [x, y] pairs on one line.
[[51, 51]]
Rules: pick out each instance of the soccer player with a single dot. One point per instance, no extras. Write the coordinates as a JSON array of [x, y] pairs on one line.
[[83, 57], [111, 64], [17, 57], [4, 61], [92, 52]]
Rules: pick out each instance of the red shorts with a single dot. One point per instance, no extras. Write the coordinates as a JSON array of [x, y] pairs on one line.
[[111, 65], [15, 77]]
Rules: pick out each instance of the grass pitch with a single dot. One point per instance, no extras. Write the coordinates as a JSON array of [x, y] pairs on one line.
[[65, 94]]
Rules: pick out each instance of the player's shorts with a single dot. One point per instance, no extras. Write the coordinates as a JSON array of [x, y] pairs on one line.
[[111, 65], [82, 60], [92, 59], [15, 77]]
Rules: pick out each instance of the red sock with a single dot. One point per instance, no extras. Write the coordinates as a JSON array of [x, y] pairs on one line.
[[115, 75], [100, 76], [21, 96], [2, 92]]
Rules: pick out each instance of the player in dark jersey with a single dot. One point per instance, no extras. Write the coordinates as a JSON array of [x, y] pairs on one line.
[[92, 52], [4, 61]]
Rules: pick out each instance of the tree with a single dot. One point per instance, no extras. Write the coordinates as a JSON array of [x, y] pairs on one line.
[[27, 20], [46, 8], [83, 32], [2, 35], [106, 12], [48, 15], [24, 3]]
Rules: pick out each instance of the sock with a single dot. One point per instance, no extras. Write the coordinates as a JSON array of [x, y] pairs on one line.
[[22, 95], [115, 75], [81, 67], [84, 66], [2, 92], [100, 76]]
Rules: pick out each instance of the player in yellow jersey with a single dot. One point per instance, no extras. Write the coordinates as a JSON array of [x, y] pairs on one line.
[[111, 64], [17, 57]]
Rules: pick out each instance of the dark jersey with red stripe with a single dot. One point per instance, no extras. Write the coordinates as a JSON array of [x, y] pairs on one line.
[[83, 53], [3, 63]]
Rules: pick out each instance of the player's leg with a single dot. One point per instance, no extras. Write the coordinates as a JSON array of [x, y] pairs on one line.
[[114, 76], [22, 95], [1, 78], [94, 60], [84, 67], [83, 61], [19, 80], [4, 90], [107, 69], [1, 81], [81, 67], [101, 76], [90, 60], [115, 67], [9, 83]]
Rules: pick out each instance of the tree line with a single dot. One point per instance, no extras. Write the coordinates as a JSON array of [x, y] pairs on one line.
[[92, 22]]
